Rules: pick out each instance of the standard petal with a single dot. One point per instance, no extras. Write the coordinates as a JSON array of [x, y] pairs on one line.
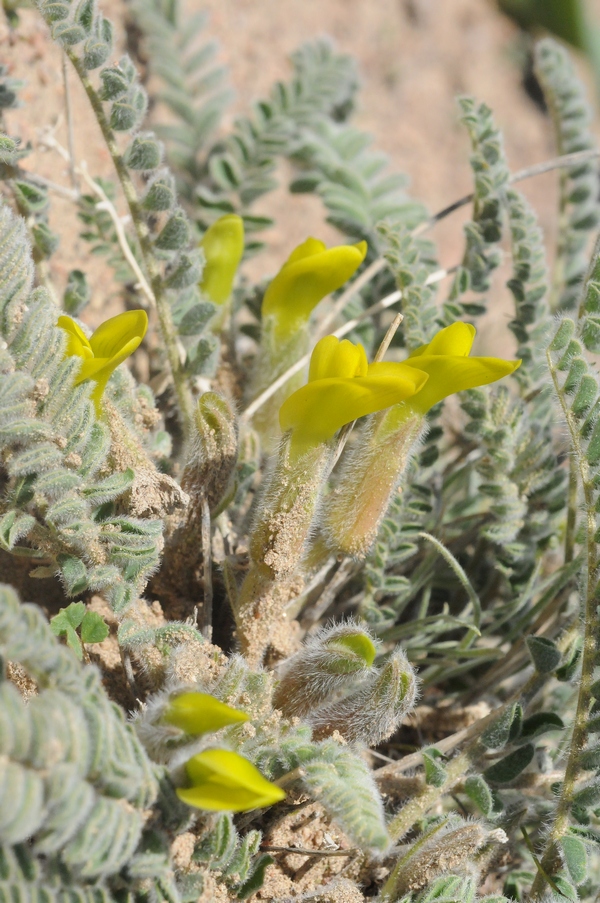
[[223, 246], [224, 781], [308, 248], [77, 343], [302, 283], [456, 340], [200, 713], [448, 375], [318, 410], [331, 358], [117, 332]]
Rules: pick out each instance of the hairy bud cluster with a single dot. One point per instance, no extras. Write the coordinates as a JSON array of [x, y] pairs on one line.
[[333, 684]]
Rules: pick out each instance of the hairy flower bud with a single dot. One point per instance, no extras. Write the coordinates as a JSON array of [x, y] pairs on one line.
[[371, 713], [328, 663]]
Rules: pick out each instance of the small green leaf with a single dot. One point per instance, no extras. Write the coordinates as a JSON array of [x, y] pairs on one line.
[[30, 198], [517, 724], [77, 292], [563, 335], [194, 321], [478, 791], [544, 654], [508, 768], [71, 616], [567, 671], [66, 622], [73, 642], [541, 723], [496, 735], [435, 773], [93, 628]]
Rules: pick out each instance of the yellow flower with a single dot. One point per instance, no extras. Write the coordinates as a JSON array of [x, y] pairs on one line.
[[200, 713], [223, 246], [224, 781], [310, 272], [450, 369], [341, 387], [109, 346]]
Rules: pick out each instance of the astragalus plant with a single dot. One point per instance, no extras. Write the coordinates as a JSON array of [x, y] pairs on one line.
[[223, 604]]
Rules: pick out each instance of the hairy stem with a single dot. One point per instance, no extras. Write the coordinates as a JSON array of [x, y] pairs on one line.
[[550, 859], [169, 335]]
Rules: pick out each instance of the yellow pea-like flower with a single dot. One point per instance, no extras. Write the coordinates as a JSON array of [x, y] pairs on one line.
[[450, 369], [342, 387], [223, 246], [222, 780], [368, 479], [107, 347], [200, 713], [310, 273]]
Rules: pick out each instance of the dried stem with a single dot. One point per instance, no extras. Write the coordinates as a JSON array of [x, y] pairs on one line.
[[107, 205], [537, 169]]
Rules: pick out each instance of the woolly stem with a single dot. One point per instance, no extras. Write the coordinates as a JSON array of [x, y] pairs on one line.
[[550, 857], [207, 604], [167, 328], [416, 808]]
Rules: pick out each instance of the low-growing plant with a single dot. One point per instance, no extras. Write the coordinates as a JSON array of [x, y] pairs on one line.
[[268, 562]]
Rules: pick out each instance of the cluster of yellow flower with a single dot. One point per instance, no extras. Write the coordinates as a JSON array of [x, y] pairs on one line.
[[342, 386]]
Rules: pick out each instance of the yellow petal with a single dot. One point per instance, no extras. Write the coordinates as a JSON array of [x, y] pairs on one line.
[[331, 358], [309, 275], [318, 410], [308, 248], [97, 368], [77, 343], [200, 713], [223, 246], [225, 781], [456, 339], [448, 375], [118, 332]]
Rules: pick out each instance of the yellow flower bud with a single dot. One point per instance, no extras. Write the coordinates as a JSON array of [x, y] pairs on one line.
[[200, 713], [224, 781], [109, 346], [310, 273], [342, 387], [223, 246]]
